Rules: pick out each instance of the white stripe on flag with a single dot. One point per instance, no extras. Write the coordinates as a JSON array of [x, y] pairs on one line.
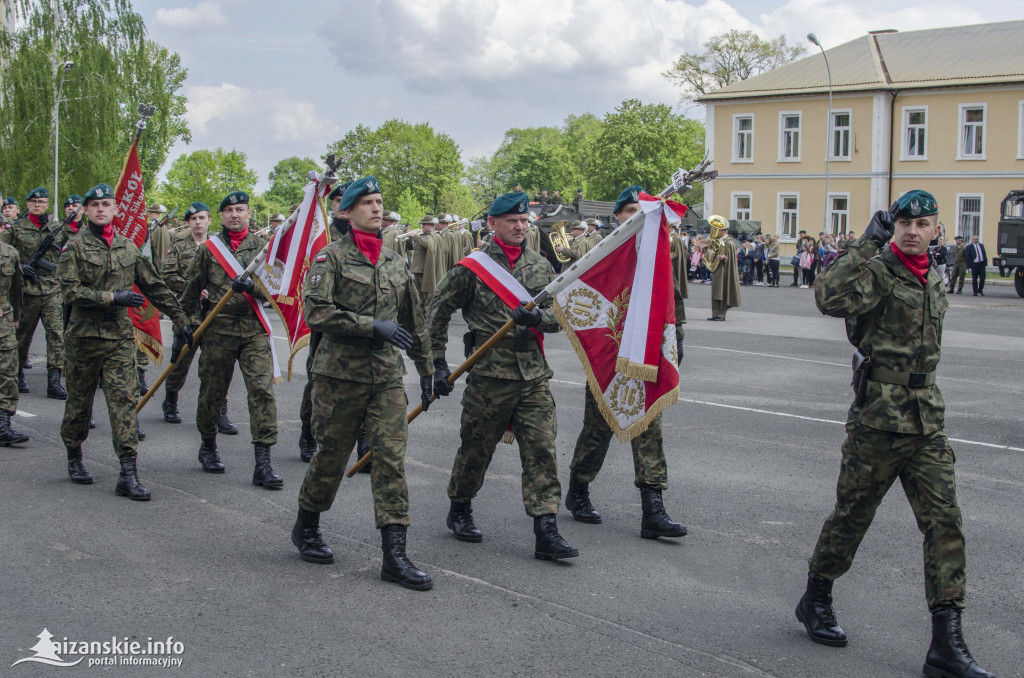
[[501, 275]]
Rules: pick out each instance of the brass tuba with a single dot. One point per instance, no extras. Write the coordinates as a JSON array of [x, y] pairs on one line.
[[716, 243], [558, 239]]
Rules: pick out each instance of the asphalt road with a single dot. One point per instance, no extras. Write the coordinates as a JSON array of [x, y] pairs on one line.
[[753, 458]]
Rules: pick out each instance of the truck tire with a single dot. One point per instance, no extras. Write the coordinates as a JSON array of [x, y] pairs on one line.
[[1018, 281]]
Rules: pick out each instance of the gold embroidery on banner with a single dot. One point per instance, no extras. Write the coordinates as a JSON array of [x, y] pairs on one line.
[[616, 316], [582, 306], [626, 396]]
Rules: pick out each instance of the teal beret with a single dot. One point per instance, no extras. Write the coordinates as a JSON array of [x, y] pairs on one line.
[[357, 189], [234, 198], [38, 193], [339, 190], [629, 195], [917, 203], [196, 208], [510, 203], [10, 201], [97, 192], [73, 199]]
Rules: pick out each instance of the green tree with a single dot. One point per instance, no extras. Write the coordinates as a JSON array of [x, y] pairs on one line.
[[728, 58], [287, 179], [408, 207], [208, 176], [528, 156]]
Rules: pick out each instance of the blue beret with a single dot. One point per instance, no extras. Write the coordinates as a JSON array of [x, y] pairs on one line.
[[195, 208], [629, 195], [339, 190], [510, 203], [234, 198], [357, 189], [917, 203], [73, 199], [10, 201], [97, 192], [38, 193]]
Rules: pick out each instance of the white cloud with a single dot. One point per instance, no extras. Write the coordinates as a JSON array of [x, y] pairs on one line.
[[204, 15], [224, 102], [298, 122]]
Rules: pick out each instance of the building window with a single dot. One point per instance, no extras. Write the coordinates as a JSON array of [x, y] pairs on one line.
[[789, 206], [915, 133], [841, 133], [838, 212], [968, 215], [972, 132], [741, 206], [789, 137], [743, 138]]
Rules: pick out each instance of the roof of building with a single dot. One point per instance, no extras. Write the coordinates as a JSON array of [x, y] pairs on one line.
[[941, 57]]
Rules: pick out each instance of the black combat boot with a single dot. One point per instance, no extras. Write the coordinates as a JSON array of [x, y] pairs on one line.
[[53, 388], [22, 384], [27, 364], [224, 424], [128, 484], [76, 469], [264, 474], [362, 447], [816, 614], [948, 656], [396, 566], [143, 386], [209, 456], [308, 538], [577, 500], [550, 545], [139, 432], [171, 414], [8, 436], [460, 521], [655, 521], [307, 443]]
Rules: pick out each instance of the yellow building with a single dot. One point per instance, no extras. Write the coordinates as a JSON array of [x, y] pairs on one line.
[[941, 110]]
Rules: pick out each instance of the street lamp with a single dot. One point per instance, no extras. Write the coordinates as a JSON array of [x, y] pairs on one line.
[[828, 123], [68, 65]]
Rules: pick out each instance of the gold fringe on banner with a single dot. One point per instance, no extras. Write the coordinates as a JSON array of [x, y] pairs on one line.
[[150, 345], [508, 437], [636, 370]]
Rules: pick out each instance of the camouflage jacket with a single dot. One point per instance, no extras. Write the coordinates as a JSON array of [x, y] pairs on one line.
[[11, 286], [960, 256], [896, 320], [485, 313], [89, 271], [237, 318], [177, 260], [344, 293], [25, 237]]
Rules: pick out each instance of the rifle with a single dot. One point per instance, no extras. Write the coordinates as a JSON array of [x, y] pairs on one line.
[[163, 222], [36, 261]]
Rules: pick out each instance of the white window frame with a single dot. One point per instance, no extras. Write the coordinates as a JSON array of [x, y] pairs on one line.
[[981, 216], [831, 135], [832, 211], [735, 137], [1020, 130], [780, 196], [907, 110], [734, 208], [782, 135], [961, 123]]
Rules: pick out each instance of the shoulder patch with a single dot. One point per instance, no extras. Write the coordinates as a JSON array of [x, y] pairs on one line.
[[321, 257]]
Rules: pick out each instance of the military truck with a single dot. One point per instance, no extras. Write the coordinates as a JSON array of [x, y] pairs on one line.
[[1010, 239]]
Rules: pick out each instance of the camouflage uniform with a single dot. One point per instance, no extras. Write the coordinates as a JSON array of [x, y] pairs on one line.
[[898, 431], [956, 278], [506, 386], [11, 286], [357, 379], [235, 335], [176, 263], [99, 335]]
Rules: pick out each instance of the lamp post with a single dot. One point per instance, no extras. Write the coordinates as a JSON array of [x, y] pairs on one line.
[[828, 123], [68, 65]]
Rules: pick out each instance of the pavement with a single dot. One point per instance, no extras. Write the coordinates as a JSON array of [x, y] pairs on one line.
[[753, 450]]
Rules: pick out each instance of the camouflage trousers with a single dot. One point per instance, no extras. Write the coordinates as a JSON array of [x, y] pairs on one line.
[[141, 359], [8, 373], [957, 277], [89, 361], [649, 465], [217, 366], [340, 408], [47, 308], [872, 461], [176, 379], [489, 405]]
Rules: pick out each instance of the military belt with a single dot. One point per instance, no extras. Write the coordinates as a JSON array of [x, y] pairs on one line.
[[521, 342], [908, 379], [358, 342], [240, 309], [99, 314]]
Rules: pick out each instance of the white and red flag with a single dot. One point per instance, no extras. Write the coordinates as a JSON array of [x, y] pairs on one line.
[[289, 255], [619, 315]]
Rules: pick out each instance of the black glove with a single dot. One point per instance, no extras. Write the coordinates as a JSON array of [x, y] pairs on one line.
[[393, 333], [240, 284], [881, 228], [521, 316], [679, 348], [441, 374], [425, 390], [185, 332], [29, 272], [177, 344], [128, 298]]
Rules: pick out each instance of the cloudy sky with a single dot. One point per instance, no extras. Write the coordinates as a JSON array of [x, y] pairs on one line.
[[275, 79]]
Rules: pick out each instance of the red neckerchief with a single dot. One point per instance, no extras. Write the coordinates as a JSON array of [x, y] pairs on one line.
[[74, 226], [37, 219], [107, 235], [512, 252], [916, 263], [368, 243], [235, 238]]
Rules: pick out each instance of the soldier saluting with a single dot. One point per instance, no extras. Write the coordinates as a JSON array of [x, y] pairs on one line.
[[894, 304]]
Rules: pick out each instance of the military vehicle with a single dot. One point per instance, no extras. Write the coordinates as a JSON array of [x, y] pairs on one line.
[[1010, 239]]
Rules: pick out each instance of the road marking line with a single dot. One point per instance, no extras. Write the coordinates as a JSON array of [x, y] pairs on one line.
[[19, 413], [765, 355]]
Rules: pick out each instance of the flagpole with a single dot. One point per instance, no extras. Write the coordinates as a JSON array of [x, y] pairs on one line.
[[681, 181]]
